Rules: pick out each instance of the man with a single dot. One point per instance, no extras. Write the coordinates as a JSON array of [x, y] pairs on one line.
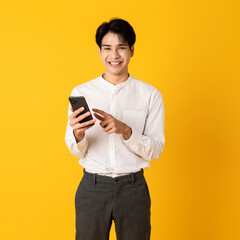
[[114, 152]]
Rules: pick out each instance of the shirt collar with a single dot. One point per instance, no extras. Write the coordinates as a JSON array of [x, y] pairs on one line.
[[117, 87]]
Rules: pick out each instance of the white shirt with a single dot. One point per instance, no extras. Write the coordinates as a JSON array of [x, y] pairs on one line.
[[137, 104]]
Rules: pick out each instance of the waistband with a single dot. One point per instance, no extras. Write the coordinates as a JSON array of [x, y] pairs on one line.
[[95, 178]]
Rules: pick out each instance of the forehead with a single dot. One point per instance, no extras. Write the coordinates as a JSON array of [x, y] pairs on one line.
[[112, 39]]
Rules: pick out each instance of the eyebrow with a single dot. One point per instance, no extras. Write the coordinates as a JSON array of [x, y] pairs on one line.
[[109, 45]]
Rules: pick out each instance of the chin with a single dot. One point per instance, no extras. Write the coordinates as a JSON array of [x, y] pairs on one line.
[[117, 72]]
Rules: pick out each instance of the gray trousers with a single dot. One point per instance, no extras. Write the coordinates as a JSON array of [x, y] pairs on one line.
[[99, 200]]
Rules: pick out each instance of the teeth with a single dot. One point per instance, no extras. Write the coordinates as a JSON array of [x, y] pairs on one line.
[[115, 63]]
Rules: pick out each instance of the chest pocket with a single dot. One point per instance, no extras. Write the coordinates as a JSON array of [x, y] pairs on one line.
[[135, 120]]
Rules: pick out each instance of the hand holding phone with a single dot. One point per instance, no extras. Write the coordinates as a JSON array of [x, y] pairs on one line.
[[78, 102], [81, 119]]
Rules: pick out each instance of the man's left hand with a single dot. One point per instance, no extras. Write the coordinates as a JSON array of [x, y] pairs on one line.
[[112, 125]]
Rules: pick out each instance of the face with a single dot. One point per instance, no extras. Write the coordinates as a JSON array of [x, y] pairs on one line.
[[115, 54]]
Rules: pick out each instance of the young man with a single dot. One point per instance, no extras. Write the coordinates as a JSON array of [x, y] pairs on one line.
[[114, 151]]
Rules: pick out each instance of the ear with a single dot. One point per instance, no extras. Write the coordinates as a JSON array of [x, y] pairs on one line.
[[132, 50], [99, 50]]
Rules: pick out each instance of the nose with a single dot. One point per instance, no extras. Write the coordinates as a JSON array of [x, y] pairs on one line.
[[115, 53]]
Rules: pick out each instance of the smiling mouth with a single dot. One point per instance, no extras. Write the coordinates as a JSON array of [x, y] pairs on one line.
[[114, 63]]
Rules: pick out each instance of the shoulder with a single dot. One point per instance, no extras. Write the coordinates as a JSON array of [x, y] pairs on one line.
[[84, 86], [147, 88], [151, 95]]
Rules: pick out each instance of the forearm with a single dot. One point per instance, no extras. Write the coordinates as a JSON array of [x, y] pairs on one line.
[[78, 147], [146, 147]]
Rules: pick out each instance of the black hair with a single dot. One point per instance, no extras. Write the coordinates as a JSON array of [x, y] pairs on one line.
[[119, 26]]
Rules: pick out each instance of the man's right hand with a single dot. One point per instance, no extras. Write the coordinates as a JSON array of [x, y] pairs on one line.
[[80, 128]]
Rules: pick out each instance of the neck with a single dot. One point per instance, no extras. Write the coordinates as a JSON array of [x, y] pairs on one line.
[[115, 79]]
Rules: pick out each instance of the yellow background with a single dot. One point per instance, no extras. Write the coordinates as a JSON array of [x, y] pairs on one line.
[[189, 50]]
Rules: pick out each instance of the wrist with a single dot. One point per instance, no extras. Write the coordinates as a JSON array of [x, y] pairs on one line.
[[78, 137], [127, 133]]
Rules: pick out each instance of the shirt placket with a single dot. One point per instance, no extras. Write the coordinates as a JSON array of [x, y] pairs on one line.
[[112, 141]]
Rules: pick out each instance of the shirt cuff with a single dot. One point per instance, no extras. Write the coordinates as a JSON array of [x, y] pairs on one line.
[[134, 139], [81, 144]]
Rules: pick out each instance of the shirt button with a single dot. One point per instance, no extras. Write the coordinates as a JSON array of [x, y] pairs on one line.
[[115, 180]]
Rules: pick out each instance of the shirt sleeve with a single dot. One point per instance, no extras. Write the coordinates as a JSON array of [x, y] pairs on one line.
[[77, 149], [149, 145]]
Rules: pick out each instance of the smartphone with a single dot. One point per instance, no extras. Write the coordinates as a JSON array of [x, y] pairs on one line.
[[78, 102]]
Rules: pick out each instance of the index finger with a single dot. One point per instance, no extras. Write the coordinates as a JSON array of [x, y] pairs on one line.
[[100, 112]]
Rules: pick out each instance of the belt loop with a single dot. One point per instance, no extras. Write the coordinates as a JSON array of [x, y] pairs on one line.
[[132, 178], [95, 179]]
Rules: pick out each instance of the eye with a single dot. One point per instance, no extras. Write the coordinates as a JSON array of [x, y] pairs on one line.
[[122, 48], [106, 48]]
